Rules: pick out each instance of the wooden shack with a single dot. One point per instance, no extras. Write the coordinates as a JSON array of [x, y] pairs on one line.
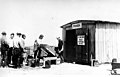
[[85, 40]]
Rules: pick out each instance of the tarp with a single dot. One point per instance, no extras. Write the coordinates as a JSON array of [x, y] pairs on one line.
[[49, 50]]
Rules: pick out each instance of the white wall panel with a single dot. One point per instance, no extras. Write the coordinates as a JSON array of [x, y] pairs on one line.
[[118, 43], [107, 41]]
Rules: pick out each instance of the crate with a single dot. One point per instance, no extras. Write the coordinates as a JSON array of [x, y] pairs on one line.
[[48, 59], [115, 67], [94, 62], [47, 64]]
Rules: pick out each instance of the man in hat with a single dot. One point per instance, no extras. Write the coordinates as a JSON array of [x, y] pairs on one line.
[[60, 44], [36, 45], [4, 49], [40, 39], [40, 42], [19, 34], [22, 48], [17, 51], [10, 48], [59, 47], [59, 50], [37, 53]]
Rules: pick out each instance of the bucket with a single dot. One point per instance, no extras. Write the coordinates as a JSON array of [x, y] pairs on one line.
[[58, 61], [95, 63], [41, 62], [29, 62]]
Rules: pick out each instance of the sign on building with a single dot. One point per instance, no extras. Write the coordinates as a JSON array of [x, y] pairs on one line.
[[78, 25], [81, 40]]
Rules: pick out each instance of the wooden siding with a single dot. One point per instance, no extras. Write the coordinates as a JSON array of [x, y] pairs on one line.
[[107, 42]]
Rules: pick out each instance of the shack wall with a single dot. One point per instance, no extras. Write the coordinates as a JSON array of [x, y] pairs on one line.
[[107, 42]]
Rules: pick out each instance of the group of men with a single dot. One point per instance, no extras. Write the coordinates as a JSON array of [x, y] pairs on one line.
[[12, 49]]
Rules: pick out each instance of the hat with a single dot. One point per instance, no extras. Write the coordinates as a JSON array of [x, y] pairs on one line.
[[23, 35], [41, 35], [58, 37], [3, 33], [12, 34], [18, 33]]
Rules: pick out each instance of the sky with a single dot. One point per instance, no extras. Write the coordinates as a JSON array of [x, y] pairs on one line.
[[35, 17]]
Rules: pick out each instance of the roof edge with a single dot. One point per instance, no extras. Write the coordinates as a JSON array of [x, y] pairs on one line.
[[90, 21]]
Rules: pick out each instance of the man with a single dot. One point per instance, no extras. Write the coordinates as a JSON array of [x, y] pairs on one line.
[[60, 44], [17, 51], [40, 42], [10, 48], [4, 49], [59, 49], [36, 45], [23, 40], [37, 53], [22, 48]]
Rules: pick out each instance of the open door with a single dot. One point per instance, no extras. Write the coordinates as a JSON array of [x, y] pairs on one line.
[[70, 45], [82, 54]]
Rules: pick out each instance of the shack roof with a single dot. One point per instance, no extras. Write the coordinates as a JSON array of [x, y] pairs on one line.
[[90, 21]]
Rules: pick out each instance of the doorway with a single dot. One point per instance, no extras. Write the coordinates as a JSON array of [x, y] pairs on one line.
[[70, 45], [77, 46]]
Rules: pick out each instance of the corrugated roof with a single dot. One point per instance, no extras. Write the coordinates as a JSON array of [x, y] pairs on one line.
[[90, 21]]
